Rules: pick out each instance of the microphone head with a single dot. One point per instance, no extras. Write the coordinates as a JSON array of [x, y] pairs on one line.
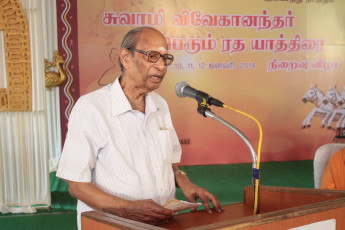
[[179, 88]]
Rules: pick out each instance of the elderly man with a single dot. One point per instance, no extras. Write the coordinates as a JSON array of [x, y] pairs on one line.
[[121, 151]]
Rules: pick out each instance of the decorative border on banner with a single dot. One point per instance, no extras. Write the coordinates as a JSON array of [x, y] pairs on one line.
[[67, 44], [68, 58]]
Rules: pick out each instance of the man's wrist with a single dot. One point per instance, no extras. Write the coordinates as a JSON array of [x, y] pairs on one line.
[[180, 172]]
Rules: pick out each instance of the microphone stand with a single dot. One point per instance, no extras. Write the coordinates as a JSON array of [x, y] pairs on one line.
[[206, 112]]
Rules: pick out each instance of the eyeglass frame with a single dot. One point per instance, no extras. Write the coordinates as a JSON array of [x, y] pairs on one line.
[[148, 52]]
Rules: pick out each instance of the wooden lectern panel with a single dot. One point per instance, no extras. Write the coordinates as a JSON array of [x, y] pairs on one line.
[[95, 220], [288, 223], [281, 208]]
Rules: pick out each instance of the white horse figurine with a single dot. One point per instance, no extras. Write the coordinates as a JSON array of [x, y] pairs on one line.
[[331, 100], [323, 108], [339, 113]]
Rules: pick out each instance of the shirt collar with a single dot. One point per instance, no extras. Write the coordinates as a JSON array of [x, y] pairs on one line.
[[151, 105], [120, 103]]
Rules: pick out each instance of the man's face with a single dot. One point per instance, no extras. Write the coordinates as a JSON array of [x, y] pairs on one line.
[[147, 75]]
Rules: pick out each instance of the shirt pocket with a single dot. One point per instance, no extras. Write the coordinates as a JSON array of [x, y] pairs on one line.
[[164, 144]]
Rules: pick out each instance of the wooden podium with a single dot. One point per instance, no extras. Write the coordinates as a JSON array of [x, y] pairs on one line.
[[280, 208]]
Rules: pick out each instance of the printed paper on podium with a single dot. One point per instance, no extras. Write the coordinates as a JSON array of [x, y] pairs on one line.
[[179, 205]]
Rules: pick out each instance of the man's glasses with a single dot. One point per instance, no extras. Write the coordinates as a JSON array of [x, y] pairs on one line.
[[154, 56]]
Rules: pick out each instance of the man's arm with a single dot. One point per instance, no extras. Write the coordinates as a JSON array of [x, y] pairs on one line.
[[141, 210], [193, 192]]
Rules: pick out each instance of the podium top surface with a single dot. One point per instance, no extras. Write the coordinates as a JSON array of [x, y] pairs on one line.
[[276, 204]]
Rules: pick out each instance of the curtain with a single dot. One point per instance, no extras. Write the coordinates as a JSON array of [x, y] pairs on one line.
[[30, 142]]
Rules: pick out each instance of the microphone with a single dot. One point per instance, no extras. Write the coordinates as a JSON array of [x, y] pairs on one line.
[[183, 89]]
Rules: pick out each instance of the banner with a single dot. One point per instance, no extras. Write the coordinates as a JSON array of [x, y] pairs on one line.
[[279, 61]]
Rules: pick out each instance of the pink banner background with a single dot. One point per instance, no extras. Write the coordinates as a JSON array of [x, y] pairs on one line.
[[247, 79]]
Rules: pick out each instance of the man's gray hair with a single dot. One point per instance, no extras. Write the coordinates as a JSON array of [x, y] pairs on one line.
[[130, 40]]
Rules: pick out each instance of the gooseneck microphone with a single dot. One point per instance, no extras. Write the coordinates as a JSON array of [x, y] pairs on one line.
[[183, 89]]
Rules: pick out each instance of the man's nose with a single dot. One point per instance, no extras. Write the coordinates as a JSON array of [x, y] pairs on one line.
[[160, 64]]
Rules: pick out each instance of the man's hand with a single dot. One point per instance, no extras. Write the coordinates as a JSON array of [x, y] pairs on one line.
[[141, 210], [192, 192], [147, 211]]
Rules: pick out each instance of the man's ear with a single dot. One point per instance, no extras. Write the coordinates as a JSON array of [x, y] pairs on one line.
[[125, 57]]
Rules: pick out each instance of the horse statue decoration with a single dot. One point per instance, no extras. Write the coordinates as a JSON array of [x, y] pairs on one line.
[[53, 78], [338, 114], [324, 106]]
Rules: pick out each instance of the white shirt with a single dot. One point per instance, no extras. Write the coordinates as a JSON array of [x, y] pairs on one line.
[[122, 151]]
